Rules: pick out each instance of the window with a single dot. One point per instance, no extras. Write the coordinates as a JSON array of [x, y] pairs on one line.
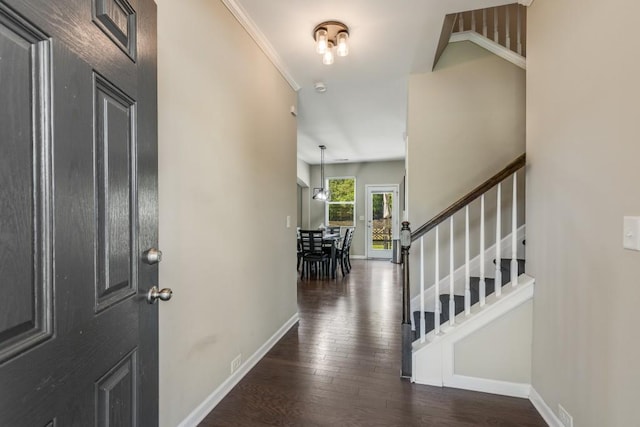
[[341, 207]]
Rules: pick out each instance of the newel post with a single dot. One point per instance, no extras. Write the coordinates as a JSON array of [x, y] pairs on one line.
[[407, 338]]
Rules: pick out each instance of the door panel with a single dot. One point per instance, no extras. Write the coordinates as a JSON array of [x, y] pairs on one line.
[[25, 156], [115, 163], [117, 394], [78, 342], [382, 220]]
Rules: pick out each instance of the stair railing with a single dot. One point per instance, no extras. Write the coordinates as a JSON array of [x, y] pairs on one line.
[[407, 237], [505, 25], [493, 28]]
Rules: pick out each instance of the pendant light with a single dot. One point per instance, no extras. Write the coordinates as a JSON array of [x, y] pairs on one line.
[[321, 193]]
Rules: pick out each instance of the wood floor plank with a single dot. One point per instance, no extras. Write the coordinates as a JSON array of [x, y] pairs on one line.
[[340, 366]]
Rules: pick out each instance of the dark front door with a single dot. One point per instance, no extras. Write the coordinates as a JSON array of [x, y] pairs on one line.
[[78, 208]]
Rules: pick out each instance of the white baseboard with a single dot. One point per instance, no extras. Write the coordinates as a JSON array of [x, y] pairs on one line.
[[504, 388], [545, 411], [218, 394], [434, 358], [357, 257]]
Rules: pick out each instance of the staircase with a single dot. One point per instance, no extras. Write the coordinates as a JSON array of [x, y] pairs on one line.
[[474, 285], [466, 301], [501, 30]]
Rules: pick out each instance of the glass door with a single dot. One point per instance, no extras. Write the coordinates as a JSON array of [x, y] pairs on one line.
[[382, 220]]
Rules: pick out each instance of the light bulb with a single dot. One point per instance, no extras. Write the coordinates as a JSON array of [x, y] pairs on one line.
[[321, 41], [327, 59], [343, 47]]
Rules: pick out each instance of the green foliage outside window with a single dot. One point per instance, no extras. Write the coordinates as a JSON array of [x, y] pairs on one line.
[[342, 189], [382, 205], [342, 204]]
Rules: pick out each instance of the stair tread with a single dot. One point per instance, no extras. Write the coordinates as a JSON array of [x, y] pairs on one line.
[[458, 300], [429, 321]]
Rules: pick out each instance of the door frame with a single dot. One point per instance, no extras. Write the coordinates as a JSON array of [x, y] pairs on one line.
[[395, 212]]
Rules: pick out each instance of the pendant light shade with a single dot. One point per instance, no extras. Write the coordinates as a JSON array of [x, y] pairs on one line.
[[321, 41], [327, 58], [343, 47]]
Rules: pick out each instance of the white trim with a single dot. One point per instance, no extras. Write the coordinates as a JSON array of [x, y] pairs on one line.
[[526, 3], [218, 394], [357, 257], [544, 410], [250, 26], [491, 46], [433, 360], [395, 215], [328, 202], [485, 385]]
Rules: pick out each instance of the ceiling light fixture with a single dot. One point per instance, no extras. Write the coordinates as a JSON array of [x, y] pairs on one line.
[[321, 193], [329, 35]]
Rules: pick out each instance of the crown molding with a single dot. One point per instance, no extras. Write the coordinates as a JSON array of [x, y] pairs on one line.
[[247, 23]]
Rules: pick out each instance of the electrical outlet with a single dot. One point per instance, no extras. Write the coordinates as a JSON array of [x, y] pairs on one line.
[[565, 418], [235, 363]]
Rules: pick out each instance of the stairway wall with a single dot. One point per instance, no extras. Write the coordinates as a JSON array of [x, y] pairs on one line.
[[583, 146], [466, 121], [507, 358], [490, 351]]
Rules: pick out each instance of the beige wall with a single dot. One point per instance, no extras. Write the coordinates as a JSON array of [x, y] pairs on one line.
[[508, 358], [390, 172], [227, 174], [583, 147], [466, 122]]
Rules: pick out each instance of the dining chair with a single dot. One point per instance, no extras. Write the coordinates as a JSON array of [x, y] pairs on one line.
[[347, 246], [343, 251], [313, 255], [299, 252]]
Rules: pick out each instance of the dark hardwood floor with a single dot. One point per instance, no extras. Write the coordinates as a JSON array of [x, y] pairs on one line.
[[340, 366]]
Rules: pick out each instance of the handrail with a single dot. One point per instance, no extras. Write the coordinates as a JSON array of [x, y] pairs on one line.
[[469, 197]]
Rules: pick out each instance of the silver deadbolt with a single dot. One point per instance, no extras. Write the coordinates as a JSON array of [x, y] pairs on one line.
[[159, 294], [152, 256]]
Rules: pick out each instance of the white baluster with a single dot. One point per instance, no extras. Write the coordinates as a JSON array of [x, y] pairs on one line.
[[482, 284], [514, 233], [473, 21], [484, 22], [460, 22], [507, 22], [422, 320], [452, 302], [437, 309], [498, 274], [496, 34], [467, 275]]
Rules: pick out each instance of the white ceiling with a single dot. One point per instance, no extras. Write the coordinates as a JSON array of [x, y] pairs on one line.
[[362, 115]]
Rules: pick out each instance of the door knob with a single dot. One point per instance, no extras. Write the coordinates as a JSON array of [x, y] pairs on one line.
[[152, 256], [159, 294]]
